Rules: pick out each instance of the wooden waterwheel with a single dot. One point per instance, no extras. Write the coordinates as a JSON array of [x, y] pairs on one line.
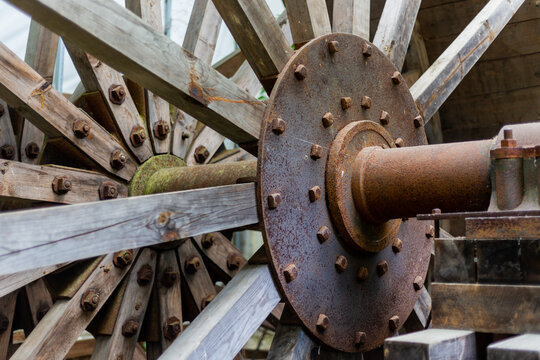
[[138, 250]]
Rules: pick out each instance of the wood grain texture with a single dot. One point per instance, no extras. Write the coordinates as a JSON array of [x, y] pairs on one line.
[[218, 252], [395, 29], [7, 309], [7, 136], [351, 16], [54, 336], [68, 233], [122, 40], [290, 343], [34, 182], [184, 127], [12, 282], [169, 297], [39, 299], [33, 96], [221, 330], [308, 19], [445, 74], [230, 63], [522, 347]]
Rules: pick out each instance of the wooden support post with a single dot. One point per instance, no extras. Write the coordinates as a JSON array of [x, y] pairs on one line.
[[523, 347], [308, 19], [351, 16]]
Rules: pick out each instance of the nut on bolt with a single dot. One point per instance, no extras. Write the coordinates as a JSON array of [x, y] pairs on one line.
[[323, 234], [201, 154], [123, 258], [418, 121], [345, 102], [7, 152], [145, 275], [382, 267], [430, 231], [274, 200], [300, 72], [362, 273], [172, 328], [396, 77], [314, 193], [108, 190], [89, 300], [162, 129], [333, 46], [290, 273], [118, 159], [234, 261], [360, 338], [137, 136], [61, 185], [384, 118], [341, 263], [31, 150], [365, 102], [322, 322], [315, 152], [399, 142], [192, 264], [366, 49], [394, 323], [397, 245], [117, 94], [328, 119], [130, 328], [81, 128], [418, 283], [207, 241], [278, 126], [508, 140]]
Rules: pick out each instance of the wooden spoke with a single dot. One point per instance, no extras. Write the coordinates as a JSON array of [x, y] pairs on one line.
[[290, 343], [7, 309], [445, 74], [58, 331], [39, 299], [221, 253], [420, 316], [351, 16], [258, 34], [12, 282], [207, 140], [38, 183], [55, 235], [32, 95], [122, 342], [221, 330], [184, 127], [230, 63], [308, 19], [157, 112], [106, 30], [395, 29], [97, 76], [8, 142]]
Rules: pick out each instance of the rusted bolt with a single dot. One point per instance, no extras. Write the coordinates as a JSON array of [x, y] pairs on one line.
[[234, 261], [162, 129], [430, 231], [118, 159], [4, 323], [89, 300], [300, 72], [2, 110], [360, 338], [328, 119], [42, 311], [130, 328], [315, 152], [172, 328], [333, 47], [207, 300], [145, 275], [192, 264], [314, 193], [108, 190], [7, 152], [278, 126], [341, 263], [137, 136], [399, 142], [169, 277], [345, 102], [382, 267], [397, 245], [61, 185], [323, 234], [436, 211], [396, 77], [384, 118], [207, 241], [508, 140], [185, 135], [394, 323], [31, 150], [81, 128], [117, 94], [274, 200], [290, 272], [362, 273], [418, 121], [366, 49], [322, 322], [418, 283], [123, 258], [366, 102], [201, 154]]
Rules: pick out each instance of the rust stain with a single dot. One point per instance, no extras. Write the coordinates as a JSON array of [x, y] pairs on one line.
[[200, 94], [41, 92]]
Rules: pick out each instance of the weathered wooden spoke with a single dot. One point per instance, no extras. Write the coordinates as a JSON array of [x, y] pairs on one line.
[[308, 19], [8, 142], [12, 282], [351, 16]]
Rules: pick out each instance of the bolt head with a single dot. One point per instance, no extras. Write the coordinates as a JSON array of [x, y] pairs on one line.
[[382, 267], [322, 322], [418, 283], [362, 273], [207, 241], [394, 323], [172, 328], [333, 47], [32, 150], [274, 200], [207, 300], [323, 234], [345, 102], [384, 118], [360, 338], [108, 190], [328, 119], [193, 264], [366, 50], [185, 135], [117, 94], [118, 159], [397, 245], [81, 128], [89, 300], [4, 323], [234, 261], [316, 151], [7, 152], [366, 102], [290, 273], [278, 126], [314, 193], [396, 78], [130, 328], [341, 263], [161, 130], [430, 231], [399, 142], [145, 275], [137, 136], [300, 72], [201, 154], [123, 258], [418, 121], [61, 185]]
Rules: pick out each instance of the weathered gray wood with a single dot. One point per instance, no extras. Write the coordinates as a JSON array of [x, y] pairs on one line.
[[290, 343], [432, 344], [351, 16], [7, 309], [445, 74], [169, 297], [39, 299], [184, 127], [308, 19], [230, 63], [420, 316], [12, 282], [523, 347], [68, 233], [24, 89], [219, 251], [220, 331], [395, 29], [122, 40], [7, 136], [34, 182]]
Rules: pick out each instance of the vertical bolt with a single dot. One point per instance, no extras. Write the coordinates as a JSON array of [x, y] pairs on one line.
[[32, 150], [300, 72], [418, 283], [345, 102], [323, 234], [328, 119], [61, 185], [430, 231], [207, 300], [207, 241], [278, 126], [362, 273], [341, 263], [399, 142], [360, 338], [172, 328], [81, 128], [396, 77], [315, 152], [508, 140], [397, 245], [365, 102], [290, 272], [234, 261], [108, 190], [322, 322], [382, 267], [123, 258], [201, 154], [418, 121], [137, 136], [394, 322], [117, 94], [314, 193], [118, 159], [89, 300], [130, 328], [162, 129], [384, 118], [4, 321], [192, 264], [145, 275], [7, 152], [366, 49], [274, 200], [169, 277], [185, 135], [333, 47]]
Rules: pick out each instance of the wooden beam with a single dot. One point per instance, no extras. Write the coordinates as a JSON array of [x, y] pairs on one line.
[[106, 30], [7, 136], [351, 16], [526, 346], [230, 63], [445, 74], [222, 329], [12, 282], [39, 299], [35, 182], [421, 315], [257, 33], [218, 249], [184, 130], [30, 94], [290, 343], [308, 19], [46, 237], [7, 310], [395, 28]]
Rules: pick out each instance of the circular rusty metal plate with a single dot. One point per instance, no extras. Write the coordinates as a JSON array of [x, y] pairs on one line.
[[287, 168]]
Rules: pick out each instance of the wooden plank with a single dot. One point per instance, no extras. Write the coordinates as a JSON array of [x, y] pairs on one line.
[[432, 344], [7, 310], [7, 136], [34, 182], [523, 347], [83, 347], [64, 283], [12, 282], [395, 29], [454, 260], [421, 315], [351, 16], [30, 94], [499, 309], [54, 336], [507, 228], [444, 75], [308, 19], [184, 127], [122, 342], [39, 299], [230, 63], [218, 249], [69, 233], [97, 76], [105, 30], [290, 343], [257, 33], [221, 330]]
